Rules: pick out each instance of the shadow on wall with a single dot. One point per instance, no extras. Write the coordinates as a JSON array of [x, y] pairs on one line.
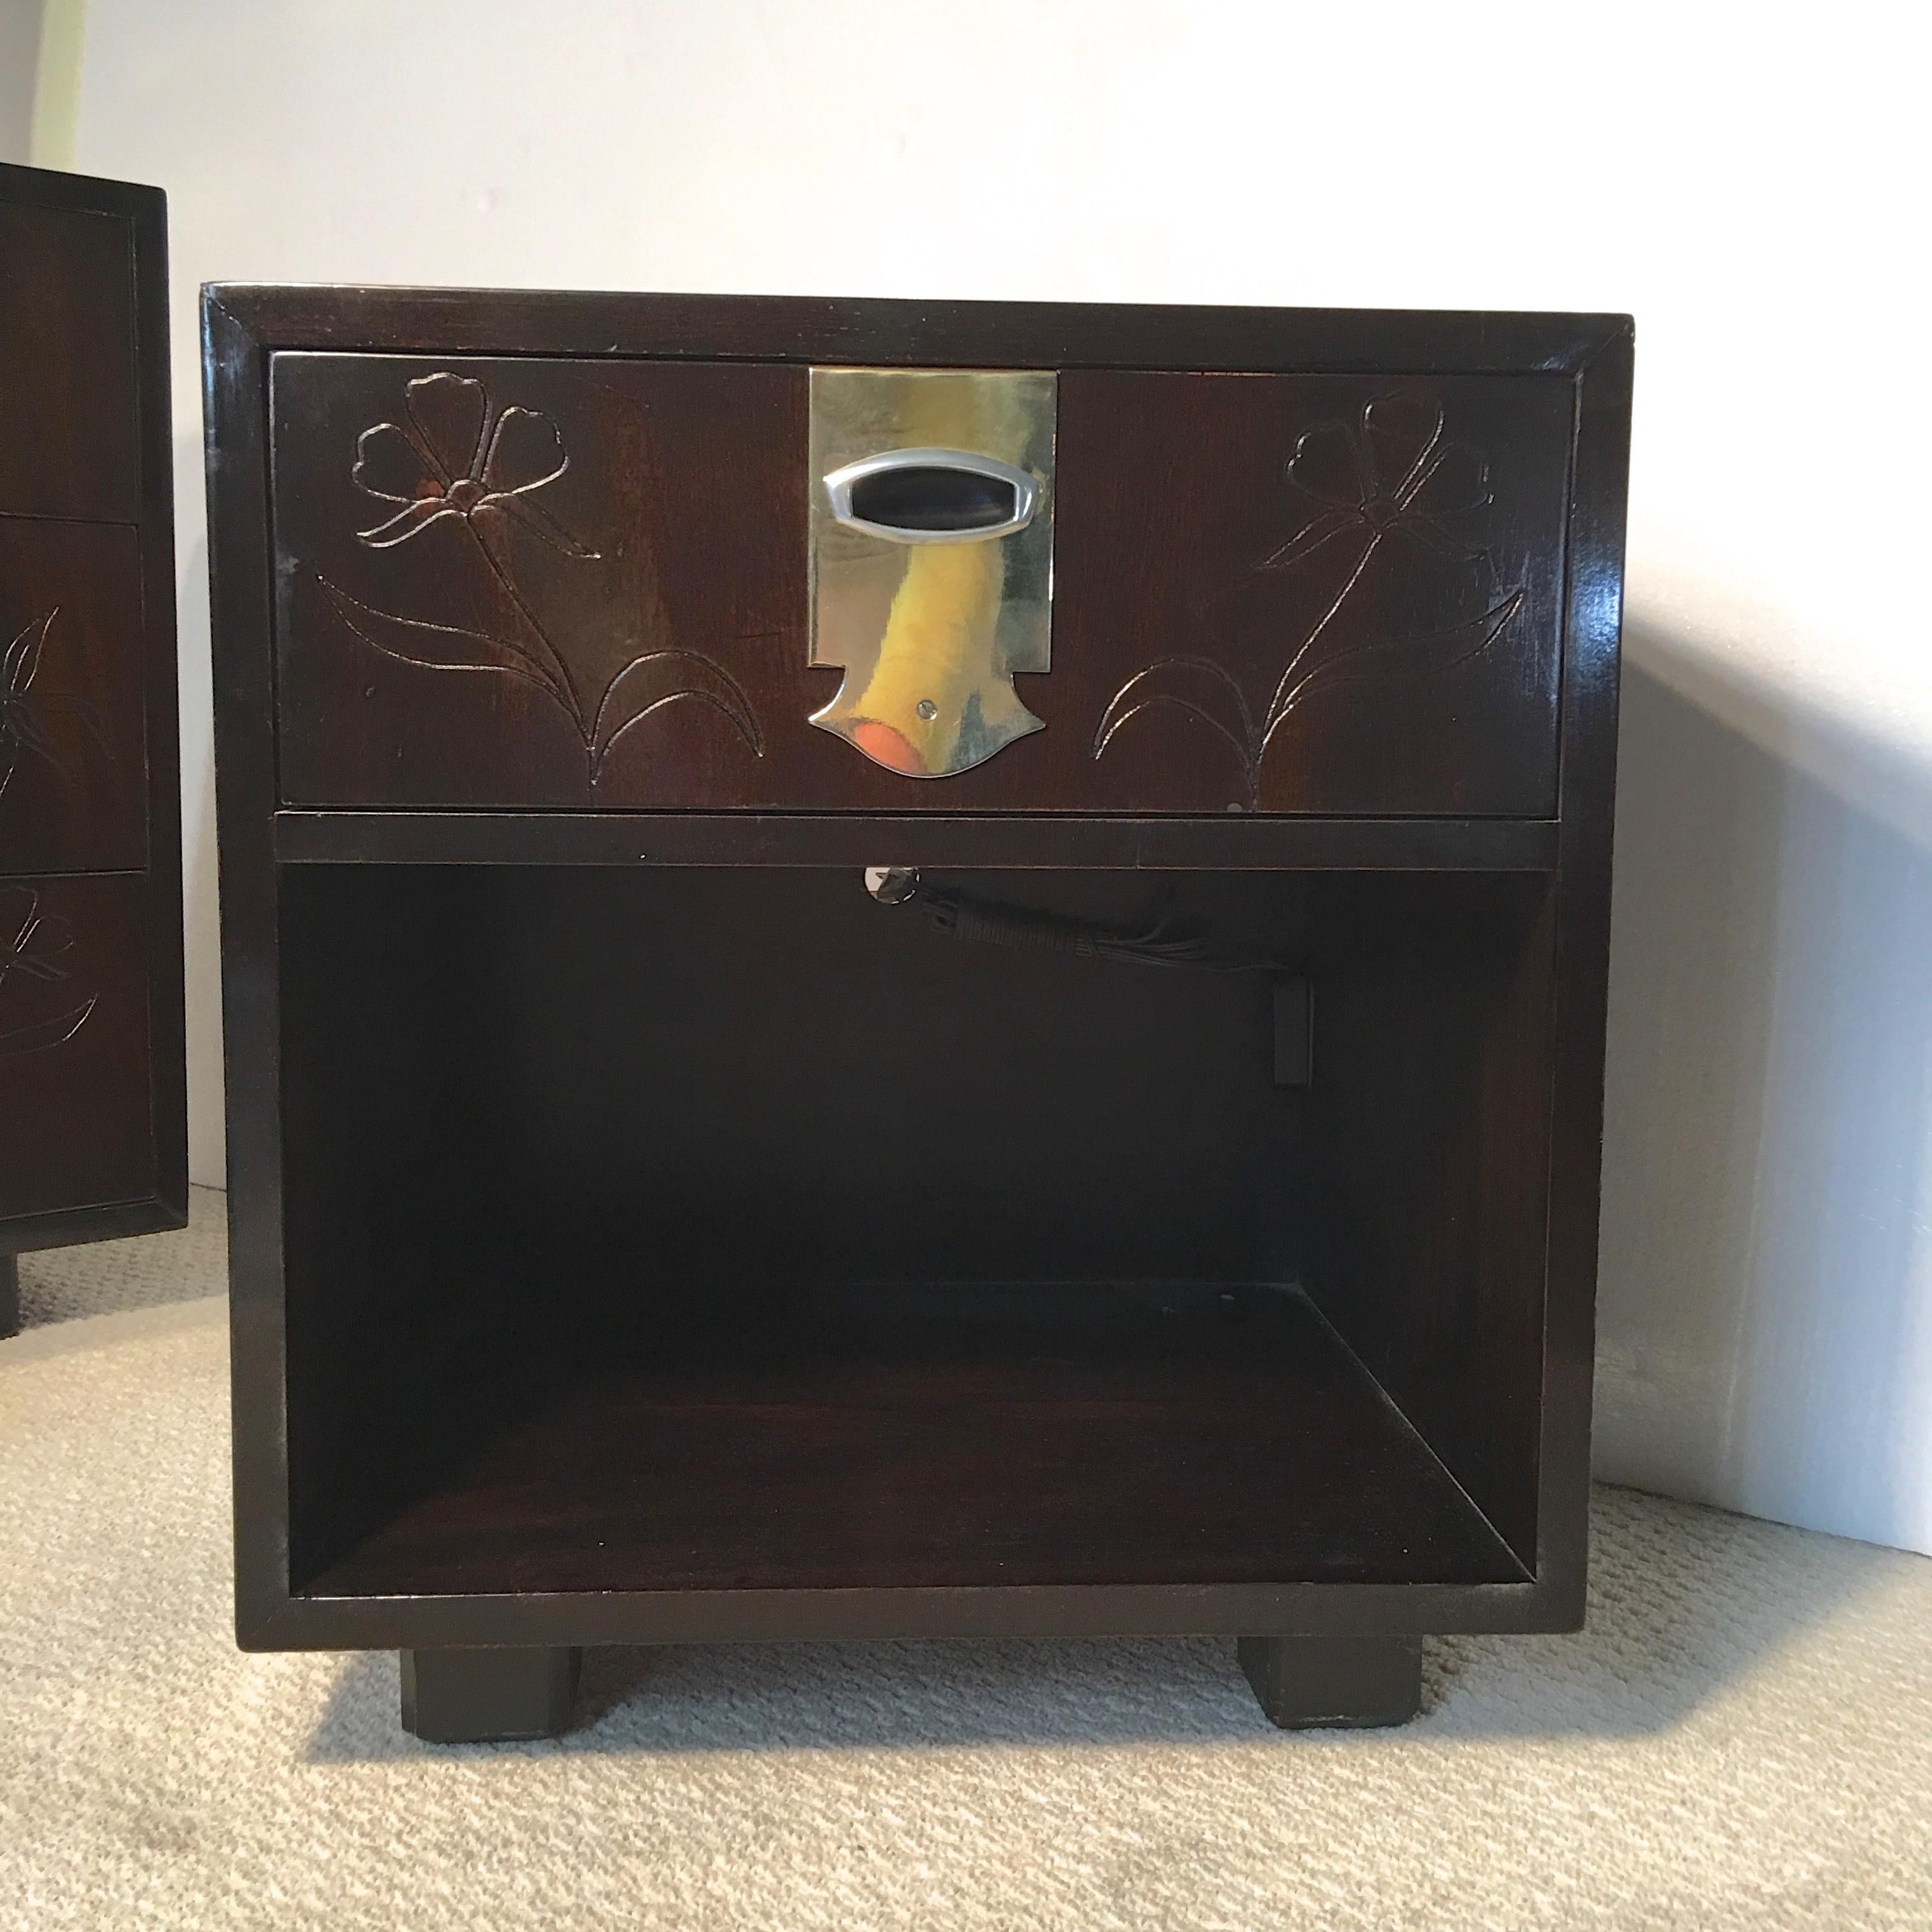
[[1765, 1316], [200, 868]]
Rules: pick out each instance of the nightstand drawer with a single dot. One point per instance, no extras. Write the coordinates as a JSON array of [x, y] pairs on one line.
[[76, 1130], [564, 584], [74, 775]]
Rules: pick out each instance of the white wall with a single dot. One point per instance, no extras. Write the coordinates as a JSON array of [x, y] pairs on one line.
[[1747, 190], [19, 57]]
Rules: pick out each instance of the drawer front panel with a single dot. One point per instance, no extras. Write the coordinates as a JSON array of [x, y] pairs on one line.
[[1316, 594], [69, 396], [561, 584], [73, 776], [76, 1088], [538, 583]]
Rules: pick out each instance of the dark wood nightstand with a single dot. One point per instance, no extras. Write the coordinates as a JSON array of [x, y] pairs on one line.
[[93, 1086], [1178, 1214]]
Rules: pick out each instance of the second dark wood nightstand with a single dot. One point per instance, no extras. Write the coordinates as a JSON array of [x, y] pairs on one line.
[[1178, 1214]]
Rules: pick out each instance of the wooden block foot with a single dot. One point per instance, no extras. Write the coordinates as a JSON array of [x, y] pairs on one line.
[[1354, 1681], [9, 1296], [487, 1696]]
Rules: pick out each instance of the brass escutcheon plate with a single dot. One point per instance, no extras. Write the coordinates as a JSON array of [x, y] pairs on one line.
[[932, 558]]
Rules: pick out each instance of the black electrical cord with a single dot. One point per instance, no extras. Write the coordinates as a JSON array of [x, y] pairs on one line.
[[959, 915]]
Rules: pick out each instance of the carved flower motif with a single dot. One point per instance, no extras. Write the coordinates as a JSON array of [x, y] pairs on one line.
[[19, 723], [455, 457], [31, 947], [27, 716], [30, 944], [1391, 471], [451, 457]]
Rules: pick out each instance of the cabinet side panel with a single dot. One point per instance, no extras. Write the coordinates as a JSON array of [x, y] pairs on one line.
[[1432, 1101], [234, 410], [1593, 630]]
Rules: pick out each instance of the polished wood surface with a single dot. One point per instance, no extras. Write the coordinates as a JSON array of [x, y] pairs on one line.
[[611, 611], [571, 583], [1313, 594], [1083, 1444], [497, 1065], [93, 1127], [1586, 802]]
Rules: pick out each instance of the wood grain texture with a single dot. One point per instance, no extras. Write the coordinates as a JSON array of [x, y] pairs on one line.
[[610, 611], [1113, 1445], [1309, 594], [583, 584]]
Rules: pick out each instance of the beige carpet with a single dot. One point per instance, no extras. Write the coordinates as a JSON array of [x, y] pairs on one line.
[[1743, 1739]]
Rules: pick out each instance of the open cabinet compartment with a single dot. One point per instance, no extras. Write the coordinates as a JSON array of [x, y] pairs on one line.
[[662, 1229]]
